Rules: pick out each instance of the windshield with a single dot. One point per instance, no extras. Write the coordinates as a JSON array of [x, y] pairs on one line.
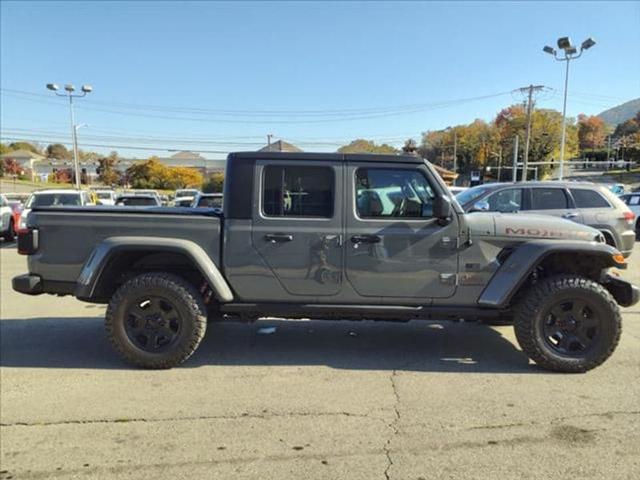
[[53, 200], [468, 196], [104, 195]]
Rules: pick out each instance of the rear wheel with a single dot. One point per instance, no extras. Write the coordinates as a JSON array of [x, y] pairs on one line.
[[156, 320], [568, 324]]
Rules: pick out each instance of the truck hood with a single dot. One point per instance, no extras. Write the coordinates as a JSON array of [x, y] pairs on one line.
[[524, 226]]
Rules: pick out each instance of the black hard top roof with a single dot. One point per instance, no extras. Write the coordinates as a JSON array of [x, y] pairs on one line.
[[327, 157]]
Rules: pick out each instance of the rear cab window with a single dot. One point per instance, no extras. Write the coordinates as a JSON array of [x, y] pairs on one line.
[[585, 198], [548, 199], [298, 191]]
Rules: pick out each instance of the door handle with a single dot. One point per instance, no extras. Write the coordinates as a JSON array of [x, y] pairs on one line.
[[357, 239], [278, 237], [570, 215]]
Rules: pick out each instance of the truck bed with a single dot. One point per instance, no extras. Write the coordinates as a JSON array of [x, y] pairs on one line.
[[68, 235]]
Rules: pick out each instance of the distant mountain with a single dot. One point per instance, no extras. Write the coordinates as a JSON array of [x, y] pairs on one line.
[[621, 113]]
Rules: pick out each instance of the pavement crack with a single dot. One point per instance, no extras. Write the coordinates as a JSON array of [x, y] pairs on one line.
[[393, 425], [609, 414], [264, 416]]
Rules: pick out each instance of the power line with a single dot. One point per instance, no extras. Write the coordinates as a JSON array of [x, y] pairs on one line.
[[338, 116]]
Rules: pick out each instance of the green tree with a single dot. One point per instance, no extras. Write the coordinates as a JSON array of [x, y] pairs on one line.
[[59, 151], [25, 146], [214, 184], [367, 146]]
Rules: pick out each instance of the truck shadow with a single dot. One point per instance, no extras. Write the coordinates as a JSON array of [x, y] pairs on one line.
[[414, 346]]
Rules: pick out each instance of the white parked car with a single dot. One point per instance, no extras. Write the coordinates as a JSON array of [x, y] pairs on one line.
[[7, 228], [208, 200], [184, 197], [55, 198], [633, 202], [106, 197]]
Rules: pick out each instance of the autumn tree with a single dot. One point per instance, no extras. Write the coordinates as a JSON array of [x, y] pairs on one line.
[[367, 146], [592, 132], [152, 173], [108, 172]]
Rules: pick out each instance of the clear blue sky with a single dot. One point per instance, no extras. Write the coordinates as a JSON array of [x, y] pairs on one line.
[[313, 57]]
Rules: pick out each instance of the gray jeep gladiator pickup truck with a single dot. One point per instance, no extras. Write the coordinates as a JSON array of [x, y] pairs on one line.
[[329, 236]]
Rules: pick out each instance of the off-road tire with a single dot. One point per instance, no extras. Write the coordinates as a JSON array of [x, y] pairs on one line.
[[178, 291], [530, 313]]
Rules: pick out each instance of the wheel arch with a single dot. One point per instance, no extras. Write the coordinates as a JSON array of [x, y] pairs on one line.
[[550, 258], [114, 256]]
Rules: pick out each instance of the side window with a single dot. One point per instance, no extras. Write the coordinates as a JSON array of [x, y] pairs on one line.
[[392, 193], [509, 200], [588, 199], [548, 199], [295, 191], [633, 200]]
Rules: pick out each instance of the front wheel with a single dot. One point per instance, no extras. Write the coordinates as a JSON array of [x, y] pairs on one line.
[[156, 320], [568, 324]]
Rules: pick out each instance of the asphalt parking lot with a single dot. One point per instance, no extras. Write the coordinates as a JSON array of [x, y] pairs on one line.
[[354, 400]]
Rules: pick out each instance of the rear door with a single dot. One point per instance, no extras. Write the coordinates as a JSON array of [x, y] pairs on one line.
[[394, 247], [297, 225], [551, 200]]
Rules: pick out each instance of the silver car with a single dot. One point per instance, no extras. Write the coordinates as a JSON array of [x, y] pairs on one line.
[[582, 202]]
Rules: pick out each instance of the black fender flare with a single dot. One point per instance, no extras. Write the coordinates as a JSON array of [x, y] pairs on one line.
[[507, 280], [94, 267]]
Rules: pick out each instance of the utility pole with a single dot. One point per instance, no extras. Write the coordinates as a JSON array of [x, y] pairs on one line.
[[530, 89], [455, 152], [515, 159]]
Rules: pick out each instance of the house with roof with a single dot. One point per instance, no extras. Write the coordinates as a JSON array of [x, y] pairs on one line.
[[25, 158], [280, 146]]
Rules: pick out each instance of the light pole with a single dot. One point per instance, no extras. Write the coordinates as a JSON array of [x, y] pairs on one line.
[[69, 89], [570, 53]]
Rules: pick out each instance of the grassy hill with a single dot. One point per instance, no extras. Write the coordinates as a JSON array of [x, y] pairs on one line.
[[621, 113]]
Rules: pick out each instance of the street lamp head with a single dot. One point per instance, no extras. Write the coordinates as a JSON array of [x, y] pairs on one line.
[[69, 87], [52, 86], [549, 50], [87, 88], [571, 50], [587, 44], [564, 43]]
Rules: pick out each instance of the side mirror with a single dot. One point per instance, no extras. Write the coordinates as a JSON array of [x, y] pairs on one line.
[[442, 207], [480, 206]]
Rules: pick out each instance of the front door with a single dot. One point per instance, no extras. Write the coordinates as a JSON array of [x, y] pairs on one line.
[[394, 247], [297, 227]]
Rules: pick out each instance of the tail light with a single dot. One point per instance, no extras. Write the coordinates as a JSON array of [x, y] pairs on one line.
[[27, 241], [629, 216]]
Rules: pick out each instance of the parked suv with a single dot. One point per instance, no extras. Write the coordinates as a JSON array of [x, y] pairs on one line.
[[585, 203]]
